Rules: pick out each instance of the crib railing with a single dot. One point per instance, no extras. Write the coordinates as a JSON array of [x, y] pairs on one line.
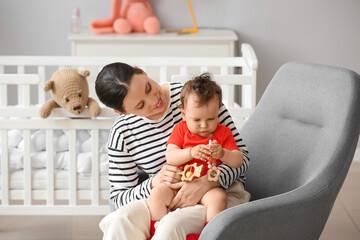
[[158, 68], [21, 92], [24, 119]]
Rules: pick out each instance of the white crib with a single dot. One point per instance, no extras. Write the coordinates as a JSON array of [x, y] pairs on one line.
[[30, 186]]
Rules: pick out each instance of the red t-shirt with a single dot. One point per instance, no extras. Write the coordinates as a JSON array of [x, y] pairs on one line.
[[183, 138]]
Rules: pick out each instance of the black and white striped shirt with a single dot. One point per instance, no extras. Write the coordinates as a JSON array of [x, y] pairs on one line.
[[137, 142]]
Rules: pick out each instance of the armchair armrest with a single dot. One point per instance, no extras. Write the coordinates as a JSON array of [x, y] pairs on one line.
[[292, 215]]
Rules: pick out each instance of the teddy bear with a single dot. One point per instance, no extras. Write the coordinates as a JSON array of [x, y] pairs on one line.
[[69, 90], [132, 16]]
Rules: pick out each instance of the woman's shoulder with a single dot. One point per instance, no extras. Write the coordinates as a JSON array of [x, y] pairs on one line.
[[124, 122], [176, 86], [175, 89]]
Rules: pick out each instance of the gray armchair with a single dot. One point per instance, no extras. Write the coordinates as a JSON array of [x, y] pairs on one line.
[[301, 138]]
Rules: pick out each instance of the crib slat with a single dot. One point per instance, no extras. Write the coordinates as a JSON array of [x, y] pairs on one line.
[[41, 93], [50, 166], [20, 70], [26, 94], [224, 70], [229, 89], [3, 95], [183, 70], [163, 74], [72, 167], [203, 69], [4, 168], [3, 90], [246, 96], [95, 167], [27, 168]]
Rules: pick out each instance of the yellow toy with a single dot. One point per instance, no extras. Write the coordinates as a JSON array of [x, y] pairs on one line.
[[191, 171], [187, 30]]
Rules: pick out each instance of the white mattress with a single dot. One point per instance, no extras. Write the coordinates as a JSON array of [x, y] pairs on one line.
[[61, 150], [39, 180]]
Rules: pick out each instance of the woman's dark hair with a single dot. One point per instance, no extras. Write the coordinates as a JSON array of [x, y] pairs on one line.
[[204, 88], [112, 84]]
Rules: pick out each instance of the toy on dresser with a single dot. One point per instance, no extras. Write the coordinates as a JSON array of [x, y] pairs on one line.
[[132, 16]]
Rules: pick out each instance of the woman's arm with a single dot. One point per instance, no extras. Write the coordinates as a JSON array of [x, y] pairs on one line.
[[228, 174], [124, 179]]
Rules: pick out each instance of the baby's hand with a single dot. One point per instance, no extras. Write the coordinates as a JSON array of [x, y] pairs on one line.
[[200, 152], [216, 151]]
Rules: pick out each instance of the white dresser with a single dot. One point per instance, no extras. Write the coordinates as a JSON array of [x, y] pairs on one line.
[[204, 43]]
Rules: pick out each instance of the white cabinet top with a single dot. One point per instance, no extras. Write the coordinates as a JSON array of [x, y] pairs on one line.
[[201, 35]]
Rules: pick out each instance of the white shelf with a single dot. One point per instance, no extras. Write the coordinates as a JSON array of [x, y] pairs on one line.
[[204, 43]]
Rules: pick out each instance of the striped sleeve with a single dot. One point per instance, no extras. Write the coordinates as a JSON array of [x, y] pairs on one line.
[[228, 174], [123, 175]]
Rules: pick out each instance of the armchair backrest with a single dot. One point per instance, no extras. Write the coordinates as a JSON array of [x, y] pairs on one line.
[[304, 130]]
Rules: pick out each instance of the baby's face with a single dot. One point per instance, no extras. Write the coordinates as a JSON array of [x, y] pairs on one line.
[[201, 120]]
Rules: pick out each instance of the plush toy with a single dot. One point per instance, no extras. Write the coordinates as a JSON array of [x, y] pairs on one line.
[[132, 16], [69, 90]]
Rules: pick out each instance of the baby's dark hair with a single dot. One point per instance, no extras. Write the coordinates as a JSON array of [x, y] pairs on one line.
[[112, 84], [204, 88]]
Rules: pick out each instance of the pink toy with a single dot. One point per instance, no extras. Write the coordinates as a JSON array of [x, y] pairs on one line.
[[132, 16]]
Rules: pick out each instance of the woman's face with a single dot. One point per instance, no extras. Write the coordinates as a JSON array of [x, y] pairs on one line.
[[145, 98]]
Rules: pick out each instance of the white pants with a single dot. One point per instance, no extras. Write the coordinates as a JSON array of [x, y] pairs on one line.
[[132, 221]]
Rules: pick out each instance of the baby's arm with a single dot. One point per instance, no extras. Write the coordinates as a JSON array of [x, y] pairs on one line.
[[177, 156], [232, 158]]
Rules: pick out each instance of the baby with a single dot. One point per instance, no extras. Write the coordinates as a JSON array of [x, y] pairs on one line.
[[201, 99]]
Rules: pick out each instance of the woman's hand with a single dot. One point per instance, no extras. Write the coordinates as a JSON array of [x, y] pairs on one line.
[[190, 193], [168, 175], [200, 152]]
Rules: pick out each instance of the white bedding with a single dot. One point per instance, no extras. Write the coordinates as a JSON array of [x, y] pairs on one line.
[[61, 180], [61, 150]]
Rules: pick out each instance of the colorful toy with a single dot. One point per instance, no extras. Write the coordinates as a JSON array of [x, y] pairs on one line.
[[132, 16], [69, 90], [213, 172], [191, 171]]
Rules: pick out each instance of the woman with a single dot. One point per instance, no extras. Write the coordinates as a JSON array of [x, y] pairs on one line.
[[149, 112]]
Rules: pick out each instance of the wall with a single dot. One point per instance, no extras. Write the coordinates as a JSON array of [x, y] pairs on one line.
[[321, 31]]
